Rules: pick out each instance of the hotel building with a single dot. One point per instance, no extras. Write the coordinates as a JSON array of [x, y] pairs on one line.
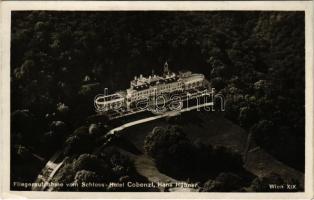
[[148, 87]]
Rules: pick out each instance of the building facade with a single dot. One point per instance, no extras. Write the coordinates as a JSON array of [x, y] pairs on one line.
[[149, 87]]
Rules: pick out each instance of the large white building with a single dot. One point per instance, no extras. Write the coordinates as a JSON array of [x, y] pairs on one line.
[[148, 87]]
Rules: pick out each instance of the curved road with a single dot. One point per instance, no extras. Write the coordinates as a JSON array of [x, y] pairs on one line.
[[167, 114], [54, 167]]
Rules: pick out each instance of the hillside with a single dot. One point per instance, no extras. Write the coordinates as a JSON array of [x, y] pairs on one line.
[[212, 128], [61, 60]]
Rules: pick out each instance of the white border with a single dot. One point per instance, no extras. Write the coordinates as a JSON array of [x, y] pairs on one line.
[[7, 7]]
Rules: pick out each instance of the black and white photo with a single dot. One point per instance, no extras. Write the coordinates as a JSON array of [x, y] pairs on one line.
[[152, 100]]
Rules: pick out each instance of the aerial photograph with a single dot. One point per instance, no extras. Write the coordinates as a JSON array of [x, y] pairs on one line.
[[157, 101]]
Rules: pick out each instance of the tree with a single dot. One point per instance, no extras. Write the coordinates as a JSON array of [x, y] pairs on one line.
[[89, 90], [171, 149], [51, 53], [248, 116], [263, 132], [263, 184], [65, 175], [91, 163], [21, 121], [59, 127], [96, 129], [85, 176], [218, 83], [25, 71], [224, 182], [78, 144], [63, 109], [50, 142]]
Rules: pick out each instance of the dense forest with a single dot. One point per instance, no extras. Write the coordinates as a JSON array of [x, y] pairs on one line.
[[61, 60]]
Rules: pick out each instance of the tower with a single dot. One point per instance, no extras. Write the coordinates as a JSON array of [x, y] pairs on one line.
[[166, 68]]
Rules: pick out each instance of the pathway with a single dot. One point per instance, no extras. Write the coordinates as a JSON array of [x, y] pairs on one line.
[[52, 166]]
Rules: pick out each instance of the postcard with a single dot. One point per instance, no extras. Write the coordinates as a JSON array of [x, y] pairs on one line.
[[157, 99]]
